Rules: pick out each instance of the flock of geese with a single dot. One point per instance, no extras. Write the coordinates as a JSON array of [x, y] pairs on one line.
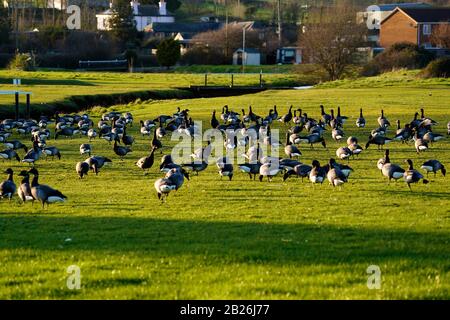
[[239, 129]]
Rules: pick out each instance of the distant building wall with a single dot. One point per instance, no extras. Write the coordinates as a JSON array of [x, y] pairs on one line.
[[398, 28]]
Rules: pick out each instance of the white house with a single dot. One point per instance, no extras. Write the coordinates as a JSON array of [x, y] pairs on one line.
[[143, 15], [251, 57]]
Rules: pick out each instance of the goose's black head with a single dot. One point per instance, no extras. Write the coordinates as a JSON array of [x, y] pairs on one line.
[[24, 173], [8, 171], [185, 174], [410, 163], [33, 171], [316, 164]]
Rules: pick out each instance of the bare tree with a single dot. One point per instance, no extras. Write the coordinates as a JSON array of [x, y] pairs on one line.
[[441, 36], [333, 42]]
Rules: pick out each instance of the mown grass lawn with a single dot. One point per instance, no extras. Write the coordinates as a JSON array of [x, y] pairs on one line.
[[216, 239]]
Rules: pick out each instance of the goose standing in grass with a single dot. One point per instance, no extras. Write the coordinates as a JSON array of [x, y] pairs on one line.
[[355, 148], [52, 152], [145, 130], [43, 193], [156, 143], [335, 176], [269, 170], [433, 166], [66, 132], [15, 145], [301, 170], [420, 144], [120, 150], [34, 154], [389, 170], [195, 166], [361, 121], [24, 190], [337, 134], [97, 162], [86, 148], [168, 164], [214, 122], [413, 176], [311, 139], [225, 168], [126, 139], [9, 154], [92, 134], [145, 163], [379, 141], [8, 187], [431, 137], [344, 153], [82, 169], [326, 118], [173, 180], [403, 134], [318, 173], [346, 170], [340, 118], [287, 117], [448, 128], [383, 121], [160, 131], [291, 150]]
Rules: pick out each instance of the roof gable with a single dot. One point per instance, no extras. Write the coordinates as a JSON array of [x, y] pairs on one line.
[[424, 15]]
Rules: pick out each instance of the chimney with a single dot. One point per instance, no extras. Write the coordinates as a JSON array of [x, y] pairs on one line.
[[162, 8], [135, 6]]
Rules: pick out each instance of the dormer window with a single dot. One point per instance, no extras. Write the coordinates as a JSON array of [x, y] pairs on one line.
[[427, 29]]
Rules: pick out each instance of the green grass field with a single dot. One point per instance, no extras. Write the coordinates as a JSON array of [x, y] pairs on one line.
[[216, 239]]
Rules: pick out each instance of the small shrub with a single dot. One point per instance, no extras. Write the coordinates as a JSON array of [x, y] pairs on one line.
[[398, 56], [22, 62], [439, 68]]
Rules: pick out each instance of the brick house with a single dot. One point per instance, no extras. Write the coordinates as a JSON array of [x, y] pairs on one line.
[[412, 25]]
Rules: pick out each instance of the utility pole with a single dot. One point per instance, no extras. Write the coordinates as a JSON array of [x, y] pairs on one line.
[[226, 30], [279, 23], [244, 55]]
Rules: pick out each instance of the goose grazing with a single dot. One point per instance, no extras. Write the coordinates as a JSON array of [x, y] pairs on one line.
[[287, 117], [167, 163], [318, 173], [420, 144], [433, 166], [333, 123], [52, 152], [380, 141], [326, 118], [344, 153], [335, 176], [163, 187], [389, 170], [355, 148], [92, 134], [403, 134], [8, 187], [97, 162], [9, 154], [269, 170], [203, 154], [225, 168], [361, 121], [43, 193], [426, 122], [121, 151], [24, 190], [85, 148], [431, 137], [382, 121], [413, 176], [126, 139], [301, 170], [195, 166], [214, 122], [15, 145], [145, 130], [66, 132], [82, 169], [337, 134], [346, 170], [311, 140], [145, 163], [291, 150]]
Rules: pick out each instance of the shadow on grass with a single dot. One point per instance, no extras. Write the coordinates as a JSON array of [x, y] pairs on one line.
[[247, 242]]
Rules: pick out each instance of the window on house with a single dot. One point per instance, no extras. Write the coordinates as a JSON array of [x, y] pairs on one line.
[[427, 29]]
